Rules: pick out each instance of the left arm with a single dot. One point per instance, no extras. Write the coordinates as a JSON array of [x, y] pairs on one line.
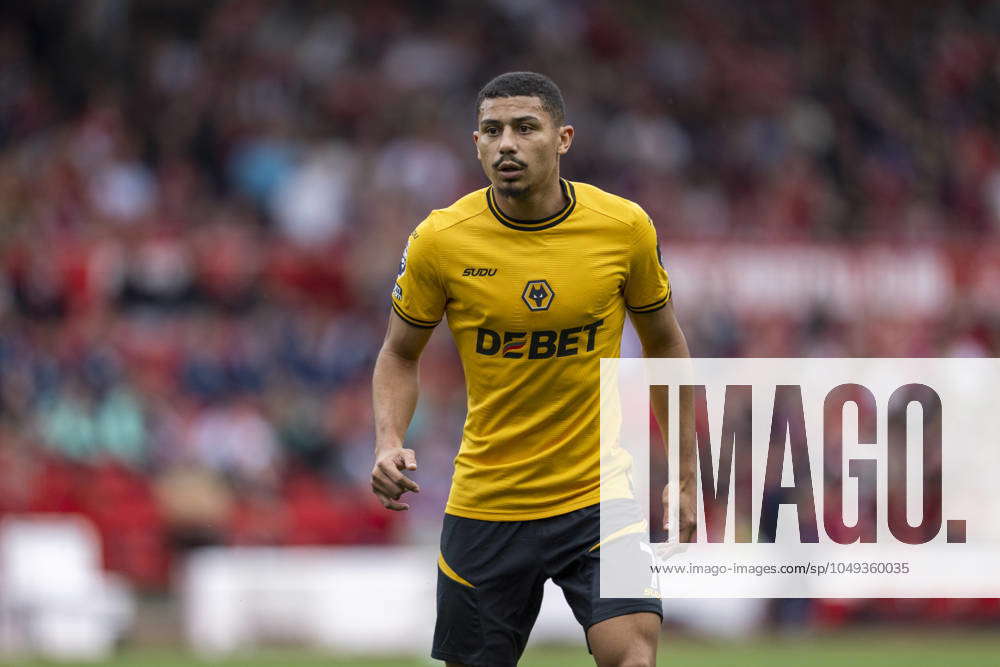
[[661, 337]]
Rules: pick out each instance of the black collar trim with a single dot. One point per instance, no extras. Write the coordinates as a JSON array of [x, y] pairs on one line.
[[534, 225]]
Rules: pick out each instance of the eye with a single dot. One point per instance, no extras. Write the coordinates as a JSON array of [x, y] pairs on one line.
[[492, 131], [526, 128]]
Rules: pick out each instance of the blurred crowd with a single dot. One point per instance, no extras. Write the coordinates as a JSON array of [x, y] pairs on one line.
[[202, 206]]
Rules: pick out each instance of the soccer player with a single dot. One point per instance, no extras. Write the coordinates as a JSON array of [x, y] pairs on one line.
[[535, 274]]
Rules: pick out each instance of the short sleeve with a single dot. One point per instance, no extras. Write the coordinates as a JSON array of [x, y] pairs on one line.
[[647, 287], [418, 296]]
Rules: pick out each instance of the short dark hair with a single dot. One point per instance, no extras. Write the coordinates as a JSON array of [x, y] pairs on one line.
[[527, 84]]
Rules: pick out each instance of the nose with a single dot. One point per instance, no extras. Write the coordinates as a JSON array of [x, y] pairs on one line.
[[508, 143]]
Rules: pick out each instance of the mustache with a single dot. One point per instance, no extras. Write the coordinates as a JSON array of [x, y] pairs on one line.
[[508, 159]]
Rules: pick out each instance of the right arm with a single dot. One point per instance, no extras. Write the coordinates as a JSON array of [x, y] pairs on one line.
[[394, 395]]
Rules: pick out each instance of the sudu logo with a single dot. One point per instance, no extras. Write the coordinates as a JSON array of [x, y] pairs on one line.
[[470, 271]]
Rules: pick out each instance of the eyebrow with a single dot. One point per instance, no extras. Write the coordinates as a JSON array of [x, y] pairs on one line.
[[519, 119]]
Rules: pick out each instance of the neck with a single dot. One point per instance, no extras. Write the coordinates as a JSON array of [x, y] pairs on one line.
[[542, 203]]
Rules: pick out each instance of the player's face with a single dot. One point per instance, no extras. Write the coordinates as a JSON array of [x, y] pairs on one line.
[[519, 144]]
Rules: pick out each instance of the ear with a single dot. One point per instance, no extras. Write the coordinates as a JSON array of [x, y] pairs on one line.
[[565, 139], [475, 140]]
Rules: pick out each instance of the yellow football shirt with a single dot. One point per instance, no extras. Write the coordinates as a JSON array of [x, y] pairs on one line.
[[533, 305]]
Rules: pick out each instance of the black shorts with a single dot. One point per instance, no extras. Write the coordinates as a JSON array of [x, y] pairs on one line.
[[491, 575]]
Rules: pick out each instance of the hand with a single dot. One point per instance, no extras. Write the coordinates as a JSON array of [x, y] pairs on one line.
[[686, 514], [388, 484]]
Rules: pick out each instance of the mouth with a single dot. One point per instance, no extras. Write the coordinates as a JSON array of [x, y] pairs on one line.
[[510, 169]]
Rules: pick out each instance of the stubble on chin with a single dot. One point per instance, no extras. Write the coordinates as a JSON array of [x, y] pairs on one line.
[[511, 191]]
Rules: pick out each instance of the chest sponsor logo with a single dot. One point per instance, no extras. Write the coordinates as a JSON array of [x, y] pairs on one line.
[[537, 295], [476, 273], [540, 344]]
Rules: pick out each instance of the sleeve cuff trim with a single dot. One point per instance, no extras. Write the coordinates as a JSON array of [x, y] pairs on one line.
[[650, 307], [413, 321]]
